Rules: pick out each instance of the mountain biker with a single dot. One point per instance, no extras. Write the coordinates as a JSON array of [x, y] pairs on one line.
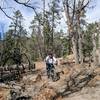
[[50, 62]]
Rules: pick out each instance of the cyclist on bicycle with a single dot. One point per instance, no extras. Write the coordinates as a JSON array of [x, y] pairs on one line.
[[50, 62]]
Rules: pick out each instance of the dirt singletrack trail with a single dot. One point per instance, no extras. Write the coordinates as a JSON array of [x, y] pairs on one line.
[[40, 65], [39, 87]]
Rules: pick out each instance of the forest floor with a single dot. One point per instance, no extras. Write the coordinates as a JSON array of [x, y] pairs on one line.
[[39, 87]]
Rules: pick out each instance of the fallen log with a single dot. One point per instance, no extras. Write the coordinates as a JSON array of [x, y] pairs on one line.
[[76, 81], [8, 76], [12, 68]]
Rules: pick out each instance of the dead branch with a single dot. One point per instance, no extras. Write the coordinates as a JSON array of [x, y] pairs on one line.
[[78, 80], [73, 11], [84, 6], [6, 13], [29, 6], [28, 1]]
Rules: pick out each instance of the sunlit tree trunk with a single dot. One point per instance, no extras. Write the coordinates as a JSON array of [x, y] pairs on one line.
[[94, 49], [75, 50], [99, 50], [71, 31], [44, 34], [79, 39]]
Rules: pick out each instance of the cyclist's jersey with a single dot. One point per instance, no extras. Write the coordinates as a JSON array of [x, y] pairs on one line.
[[51, 60]]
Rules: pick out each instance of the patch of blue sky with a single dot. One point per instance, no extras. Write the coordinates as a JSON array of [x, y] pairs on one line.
[[28, 14], [93, 14]]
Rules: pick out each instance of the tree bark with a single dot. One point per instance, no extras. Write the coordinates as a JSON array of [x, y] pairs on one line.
[[75, 49], [52, 32], [44, 34], [94, 49], [79, 39], [99, 51], [71, 30]]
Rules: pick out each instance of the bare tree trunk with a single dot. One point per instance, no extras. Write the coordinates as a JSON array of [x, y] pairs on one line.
[[99, 51], [40, 43], [73, 12], [44, 34], [71, 30], [79, 39], [52, 32], [94, 49], [80, 49], [75, 49]]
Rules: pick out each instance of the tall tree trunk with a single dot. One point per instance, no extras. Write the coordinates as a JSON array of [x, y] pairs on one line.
[[99, 51], [75, 49], [52, 32], [79, 39], [80, 49], [71, 30], [69, 47], [94, 49], [44, 34], [40, 42]]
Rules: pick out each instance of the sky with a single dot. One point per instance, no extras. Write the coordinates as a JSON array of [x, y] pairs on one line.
[[92, 14]]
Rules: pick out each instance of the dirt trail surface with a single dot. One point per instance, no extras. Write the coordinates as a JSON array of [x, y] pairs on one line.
[[86, 94], [36, 85]]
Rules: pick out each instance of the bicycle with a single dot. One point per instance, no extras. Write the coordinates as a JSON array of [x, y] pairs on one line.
[[51, 72]]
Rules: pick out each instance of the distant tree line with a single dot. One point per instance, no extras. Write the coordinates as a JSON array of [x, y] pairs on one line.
[[81, 39]]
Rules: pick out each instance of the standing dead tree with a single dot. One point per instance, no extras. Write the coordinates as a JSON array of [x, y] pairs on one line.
[[73, 11]]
